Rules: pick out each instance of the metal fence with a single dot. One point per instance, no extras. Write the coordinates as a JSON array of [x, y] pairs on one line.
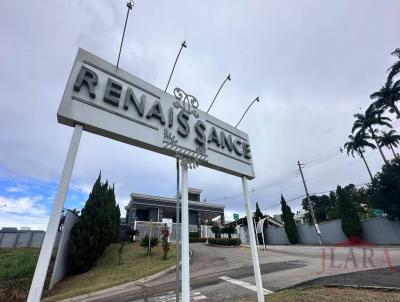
[[153, 229]]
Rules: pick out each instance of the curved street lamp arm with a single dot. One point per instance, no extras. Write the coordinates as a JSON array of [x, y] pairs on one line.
[[256, 99]]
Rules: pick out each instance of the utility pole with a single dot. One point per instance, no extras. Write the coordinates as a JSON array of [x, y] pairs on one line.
[[310, 206]]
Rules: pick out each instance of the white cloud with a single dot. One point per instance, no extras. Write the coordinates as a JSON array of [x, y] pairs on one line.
[[24, 205], [23, 211], [14, 220], [13, 190]]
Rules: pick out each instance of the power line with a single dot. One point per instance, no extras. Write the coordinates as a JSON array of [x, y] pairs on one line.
[[303, 195], [313, 162], [323, 157], [269, 185]]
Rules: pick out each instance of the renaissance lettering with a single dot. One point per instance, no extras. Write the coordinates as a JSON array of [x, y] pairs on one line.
[[120, 94]]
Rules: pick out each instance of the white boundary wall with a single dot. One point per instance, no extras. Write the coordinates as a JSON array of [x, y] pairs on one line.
[[18, 239], [375, 231]]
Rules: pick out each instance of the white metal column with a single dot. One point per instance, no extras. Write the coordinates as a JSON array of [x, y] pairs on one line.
[[254, 252], [35, 292], [185, 234]]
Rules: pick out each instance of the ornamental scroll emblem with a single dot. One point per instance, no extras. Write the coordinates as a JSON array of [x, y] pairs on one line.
[[188, 102], [189, 157]]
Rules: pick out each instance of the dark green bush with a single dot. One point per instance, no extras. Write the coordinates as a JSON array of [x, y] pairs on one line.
[[351, 224], [216, 229], [149, 245], [97, 227], [194, 235], [225, 241], [229, 229], [197, 239]]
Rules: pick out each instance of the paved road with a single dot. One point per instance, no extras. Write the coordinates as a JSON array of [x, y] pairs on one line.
[[226, 274]]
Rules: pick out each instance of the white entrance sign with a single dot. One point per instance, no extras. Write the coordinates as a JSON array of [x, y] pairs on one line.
[[108, 101]]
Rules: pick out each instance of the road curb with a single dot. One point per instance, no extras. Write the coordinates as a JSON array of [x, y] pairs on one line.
[[120, 287], [382, 288], [227, 246]]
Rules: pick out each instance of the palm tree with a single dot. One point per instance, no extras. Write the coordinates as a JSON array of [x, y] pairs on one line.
[[389, 139], [395, 69], [357, 144], [366, 121], [387, 96]]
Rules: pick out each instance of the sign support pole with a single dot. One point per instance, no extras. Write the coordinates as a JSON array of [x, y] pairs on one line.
[[254, 252], [177, 232], [35, 291], [185, 233]]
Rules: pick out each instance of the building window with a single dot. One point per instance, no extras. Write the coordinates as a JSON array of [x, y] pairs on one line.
[[194, 197]]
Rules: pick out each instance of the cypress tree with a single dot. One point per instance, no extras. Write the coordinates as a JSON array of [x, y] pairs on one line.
[[117, 221], [258, 214], [289, 223], [96, 228], [351, 224]]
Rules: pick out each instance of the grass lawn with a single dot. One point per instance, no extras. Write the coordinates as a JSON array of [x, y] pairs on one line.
[[17, 266], [325, 294], [107, 273]]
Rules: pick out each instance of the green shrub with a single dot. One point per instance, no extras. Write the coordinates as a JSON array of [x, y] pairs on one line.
[[216, 229], [194, 235], [145, 243], [351, 224], [225, 241], [197, 239], [229, 229]]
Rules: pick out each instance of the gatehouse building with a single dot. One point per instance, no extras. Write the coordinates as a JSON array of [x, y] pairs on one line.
[[153, 208]]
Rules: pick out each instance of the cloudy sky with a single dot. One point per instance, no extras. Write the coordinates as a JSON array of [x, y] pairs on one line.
[[313, 64]]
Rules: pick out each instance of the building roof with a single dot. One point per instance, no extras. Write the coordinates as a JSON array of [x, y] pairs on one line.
[[136, 196], [270, 219]]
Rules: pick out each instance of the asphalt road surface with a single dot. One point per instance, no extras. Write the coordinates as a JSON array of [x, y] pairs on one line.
[[226, 274]]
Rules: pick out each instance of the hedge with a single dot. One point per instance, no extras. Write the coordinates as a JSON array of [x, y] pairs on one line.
[[197, 239], [194, 235], [225, 241]]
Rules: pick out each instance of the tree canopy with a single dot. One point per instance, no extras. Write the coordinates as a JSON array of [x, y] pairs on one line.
[[386, 189]]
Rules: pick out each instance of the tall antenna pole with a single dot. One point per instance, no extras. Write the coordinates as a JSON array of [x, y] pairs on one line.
[[227, 78], [310, 206], [130, 6], [257, 99], [183, 45]]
